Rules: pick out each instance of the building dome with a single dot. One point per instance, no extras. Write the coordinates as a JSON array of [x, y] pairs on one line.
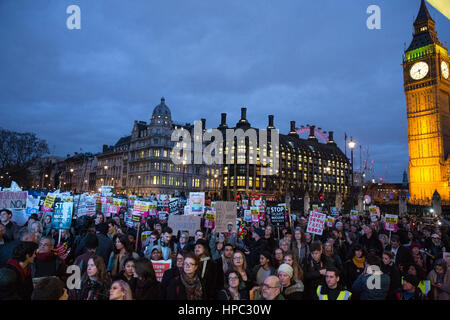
[[161, 111]]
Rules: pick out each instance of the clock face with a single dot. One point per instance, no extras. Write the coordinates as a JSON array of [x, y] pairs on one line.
[[444, 69], [419, 70]]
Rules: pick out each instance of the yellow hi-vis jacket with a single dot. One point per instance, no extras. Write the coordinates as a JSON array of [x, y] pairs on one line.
[[343, 295], [424, 286]]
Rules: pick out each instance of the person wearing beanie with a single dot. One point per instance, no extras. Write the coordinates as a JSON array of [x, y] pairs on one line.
[[409, 290], [290, 289], [264, 269]]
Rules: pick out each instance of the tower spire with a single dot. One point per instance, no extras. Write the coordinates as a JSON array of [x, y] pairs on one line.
[[423, 14]]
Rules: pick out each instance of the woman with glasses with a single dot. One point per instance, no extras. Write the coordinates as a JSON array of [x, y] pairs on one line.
[[231, 290], [188, 285], [239, 264]]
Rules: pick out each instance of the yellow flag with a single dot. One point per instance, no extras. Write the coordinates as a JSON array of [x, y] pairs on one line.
[[443, 6]]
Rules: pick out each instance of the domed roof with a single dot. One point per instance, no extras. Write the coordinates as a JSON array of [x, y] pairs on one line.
[[162, 110]]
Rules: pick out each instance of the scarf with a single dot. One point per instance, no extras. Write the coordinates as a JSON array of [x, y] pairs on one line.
[[24, 273], [193, 287], [204, 261], [359, 262], [45, 256]]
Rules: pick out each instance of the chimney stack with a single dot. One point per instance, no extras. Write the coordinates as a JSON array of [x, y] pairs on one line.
[[292, 132], [224, 119], [203, 124], [330, 137], [243, 114], [311, 133], [270, 122]]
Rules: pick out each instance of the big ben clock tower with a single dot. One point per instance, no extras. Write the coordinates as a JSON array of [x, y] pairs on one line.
[[427, 90]]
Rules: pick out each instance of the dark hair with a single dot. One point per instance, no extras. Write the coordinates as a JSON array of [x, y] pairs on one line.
[[315, 246], [167, 229], [191, 255], [126, 243], [102, 276], [230, 271], [91, 241], [373, 260], [23, 249], [50, 288], [395, 238], [128, 260], [228, 245], [144, 269], [336, 271], [7, 211], [389, 254]]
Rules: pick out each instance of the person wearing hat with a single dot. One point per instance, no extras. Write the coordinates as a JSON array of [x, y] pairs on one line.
[[423, 284], [208, 270], [290, 288], [256, 247], [264, 269], [436, 246], [409, 290], [156, 253]]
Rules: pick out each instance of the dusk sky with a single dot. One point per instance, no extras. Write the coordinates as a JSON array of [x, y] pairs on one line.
[[314, 62]]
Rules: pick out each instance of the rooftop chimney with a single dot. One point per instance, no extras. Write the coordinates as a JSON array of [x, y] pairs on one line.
[[270, 126], [292, 132], [330, 137], [243, 114], [223, 122], [311, 133], [203, 124]]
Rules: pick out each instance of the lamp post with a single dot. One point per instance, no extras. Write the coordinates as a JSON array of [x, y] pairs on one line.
[[351, 145]]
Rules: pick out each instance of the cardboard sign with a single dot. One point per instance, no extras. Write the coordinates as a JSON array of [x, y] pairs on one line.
[[197, 202], [245, 204], [315, 207], [128, 218], [210, 220], [152, 208], [141, 208], [13, 200], [160, 267], [106, 191], [32, 205], [190, 223], [162, 216], [62, 217], [277, 215], [390, 227], [225, 214], [391, 218], [334, 211], [316, 222], [354, 215]]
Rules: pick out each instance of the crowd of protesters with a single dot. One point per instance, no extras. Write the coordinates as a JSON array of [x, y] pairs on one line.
[[353, 260]]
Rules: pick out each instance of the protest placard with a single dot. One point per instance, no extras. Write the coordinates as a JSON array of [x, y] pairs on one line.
[[62, 217], [106, 191], [152, 208], [277, 215], [32, 205], [316, 222], [247, 216], [225, 215], [330, 221], [161, 266], [254, 212], [141, 208], [210, 218], [13, 200], [197, 202], [48, 203], [173, 206], [190, 223], [354, 215]]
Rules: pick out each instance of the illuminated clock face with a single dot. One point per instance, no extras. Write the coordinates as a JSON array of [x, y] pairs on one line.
[[444, 69], [419, 70]]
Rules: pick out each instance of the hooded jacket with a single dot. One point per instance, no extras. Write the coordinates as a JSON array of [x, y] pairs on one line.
[[294, 291]]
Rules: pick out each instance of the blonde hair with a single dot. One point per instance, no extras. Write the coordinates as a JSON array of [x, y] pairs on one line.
[[125, 288]]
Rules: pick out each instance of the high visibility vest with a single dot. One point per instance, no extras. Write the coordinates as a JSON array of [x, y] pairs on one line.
[[343, 295], [424, 286]]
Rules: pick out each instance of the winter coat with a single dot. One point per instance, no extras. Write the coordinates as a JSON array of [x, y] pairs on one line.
[[304, 252], [294, 291], [442, 293], [350, 273], [211, 275], [11, 231], [177, 291], [394, 274], [24, 283], [418, 295], [313, 278], [256, 249], [371, 244], [146, 289], [225, 294], [90, 290], [167, 277], [47, 265], [105, 247], [360, 286]]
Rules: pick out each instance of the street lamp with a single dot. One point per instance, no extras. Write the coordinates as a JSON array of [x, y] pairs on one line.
[[351, 145]]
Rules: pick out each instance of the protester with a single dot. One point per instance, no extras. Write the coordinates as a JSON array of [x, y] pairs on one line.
[[232, 289], [10, 226], [208, 270], [333, 288], [123, 250], [49, 288], [299, 246], [315, 270], [291, 289], [105, 244], [9, 289], [144, 283], [373, 284], [226, 258], [120, 290], [440, 280], [127, 272], [354, 267], [47, 263], [188, 285], [91, 245], [239, 264], [23, 255], [390, 268], [95, 283], [289, 258], [409, 290], [172, 273], [271, 290]]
